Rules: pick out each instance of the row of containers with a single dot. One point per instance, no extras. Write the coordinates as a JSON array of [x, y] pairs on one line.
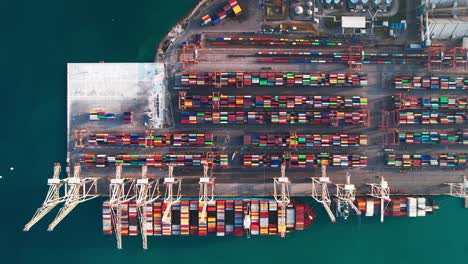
[[340, 57], [155, 160], [344, 59], [334, 118], [430, 102], [150, 140], [272, 41], [433, 137], [215, 101], [100, 115], [430, 82], [400, 206], [314, 160], [229, 8], [305, 140], [440, 160], [255, 79], [432, 118], [223, 217]]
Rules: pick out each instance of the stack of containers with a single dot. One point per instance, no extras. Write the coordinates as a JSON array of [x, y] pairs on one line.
[[184, 217], [272, 217], [175, 219], [432, 118], [465, 137], [282, 118], [106, 218], [202, 225], [432, 137], [157, 218], [238, 218], [300, 213], [167, 224], [270, 101], [230, 217], [156, 160], [100, 115], [211, 214], [149, 219], [445, 160], [430, 103], [274, 79], [255, 217], [193, 217], [305, 140], [264, 217], [282, 221], [127, 117], [220, 218], [427, 82], [290, 217], [124, 219], [305, 160], [133, 221]]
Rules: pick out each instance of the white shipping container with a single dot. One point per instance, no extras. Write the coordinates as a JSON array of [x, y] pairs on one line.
[[369, 207], [412, 207]]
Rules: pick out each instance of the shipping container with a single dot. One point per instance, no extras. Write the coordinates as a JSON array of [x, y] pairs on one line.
[[280, 79]]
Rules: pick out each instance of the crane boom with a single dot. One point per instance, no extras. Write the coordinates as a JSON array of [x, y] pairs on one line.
[[78, 190], [52, 198], [147, 192], [118, 199], [169, 198], [347, 193], [283, 198], [320, 192], [206, 194], [382, 191]]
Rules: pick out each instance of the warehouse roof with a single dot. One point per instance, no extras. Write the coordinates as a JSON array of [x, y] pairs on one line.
[[353, 22]]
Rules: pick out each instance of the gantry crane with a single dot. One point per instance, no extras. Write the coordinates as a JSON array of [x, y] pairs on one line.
[[118, 197], [147, 192], [320, 192], [52, 198], [169, 198], [382, 191], [347, 193], [77, 190], [282, 198], [459, 189], [206, 194]]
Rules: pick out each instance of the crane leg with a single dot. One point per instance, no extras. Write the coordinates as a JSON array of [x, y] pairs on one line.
[[352, 205], [64, 211], [40, 213], [329, 212]]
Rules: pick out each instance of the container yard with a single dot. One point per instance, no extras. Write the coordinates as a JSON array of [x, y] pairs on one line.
[[224, 133]]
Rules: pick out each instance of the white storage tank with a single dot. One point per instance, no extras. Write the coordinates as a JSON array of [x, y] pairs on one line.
[[299, 10]]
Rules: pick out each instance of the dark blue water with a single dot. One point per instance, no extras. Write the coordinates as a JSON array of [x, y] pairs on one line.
[[38, 39]]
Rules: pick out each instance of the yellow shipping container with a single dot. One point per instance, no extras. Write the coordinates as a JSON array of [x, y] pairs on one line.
[[237, 10]]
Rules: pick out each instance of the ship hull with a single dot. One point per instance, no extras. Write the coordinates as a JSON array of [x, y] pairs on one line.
[[224, 217]]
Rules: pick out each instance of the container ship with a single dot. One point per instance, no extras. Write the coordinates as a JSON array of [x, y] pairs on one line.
[[398, 206], [229, 217]]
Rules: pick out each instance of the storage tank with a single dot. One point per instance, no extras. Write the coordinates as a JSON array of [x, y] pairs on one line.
[[299, 10], [310, 4], [352, 3], [327, 3], [309, 12], [447, 3], [465, 42]]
